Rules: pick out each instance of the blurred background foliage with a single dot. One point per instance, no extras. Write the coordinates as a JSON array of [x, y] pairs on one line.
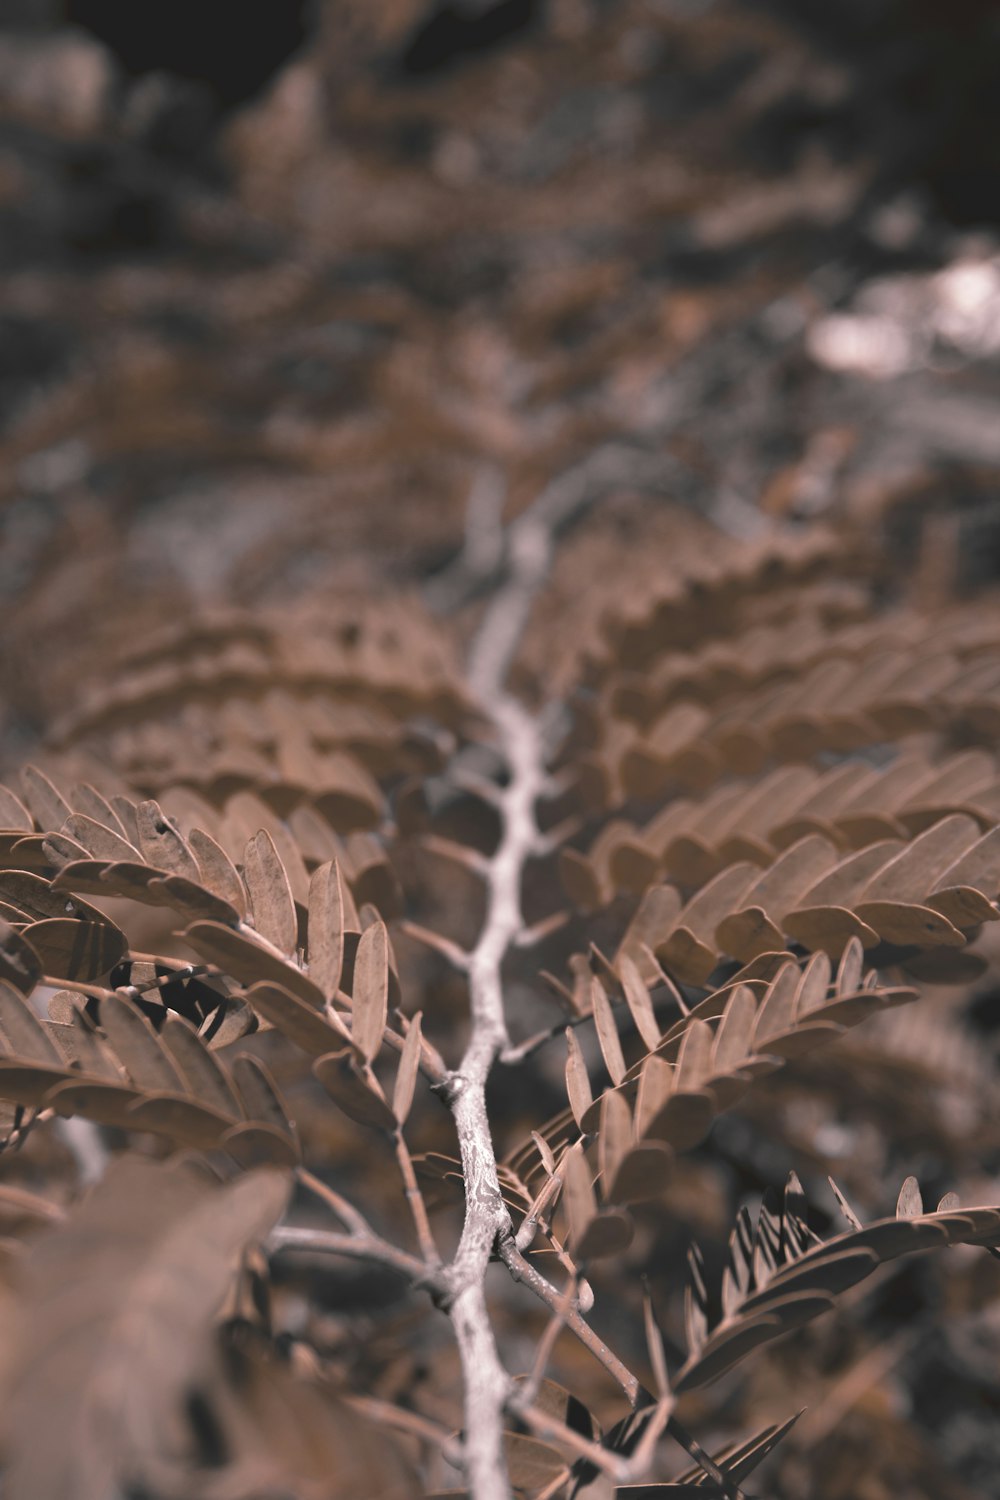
[[282, 286]]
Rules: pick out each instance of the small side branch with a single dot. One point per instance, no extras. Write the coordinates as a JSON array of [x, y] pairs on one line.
[[522, 1270], [370, 1247], [415, 1199]]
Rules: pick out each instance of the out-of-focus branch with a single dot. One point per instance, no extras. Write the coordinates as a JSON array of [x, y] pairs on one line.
[[522, 1270], [322, 1243]]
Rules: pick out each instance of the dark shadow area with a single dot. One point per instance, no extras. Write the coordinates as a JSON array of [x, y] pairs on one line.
[[230, 47], [451, 32]]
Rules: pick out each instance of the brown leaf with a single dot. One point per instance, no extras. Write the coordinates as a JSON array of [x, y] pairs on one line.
[[48, 806], [19, 963], [609, 1232], [182, 1119], [578, 1196], [912, 874], [105, 1103], [137, 1334], [777, 1011], [406, 1072], [578, 1088], [904, 924], [85, 798], [203, 1077], [356, 1095], [148, 1064], [371, 990], [14, 816], [581, 881], [733, 1038], [614, 1136], [301, 1023], [531, 1464], [238, 954], [24, 1036], [910, 1204], [217, 871], [270, 893], [607, 1031], [99, 841], [639, 1003], [348, 797], [326, 928], [161, 844], [642, 1174], [38, 898], [695, 1056], [656, 1082], [262, 1103], [81, 951]]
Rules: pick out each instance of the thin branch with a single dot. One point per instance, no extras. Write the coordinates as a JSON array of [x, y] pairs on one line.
[[460, 854], [539, 931], [479, 786], [555, 1485], [431, 1064], [522, 1270], [726, 1483], [527, 1393], [522, 1050], [623, 1470], [370, 1247], [415, 1199], [532, 1220], [482, 548], [455, 955], [350, 1216], [385, 1414]]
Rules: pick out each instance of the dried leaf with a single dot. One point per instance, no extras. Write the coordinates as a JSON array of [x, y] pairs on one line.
[[201, 1072], [578, 1088], [309, 1029], [80, 951], [19, 963], [238, 954], [642, 1175], [371, 990], [578, 1193], [406, 1072], [23, 1034], [910, 1204], [262, 1103], [100, 841], [270, 893], [218, 873], [607, 1032], [639, 1003], [136, 1044], [161, 844], [149, 1253], [326, 928], [614, 1136], [14, 816], [48, 807]]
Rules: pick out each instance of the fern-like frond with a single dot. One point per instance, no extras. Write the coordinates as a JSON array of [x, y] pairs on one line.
[[781, 1274]]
